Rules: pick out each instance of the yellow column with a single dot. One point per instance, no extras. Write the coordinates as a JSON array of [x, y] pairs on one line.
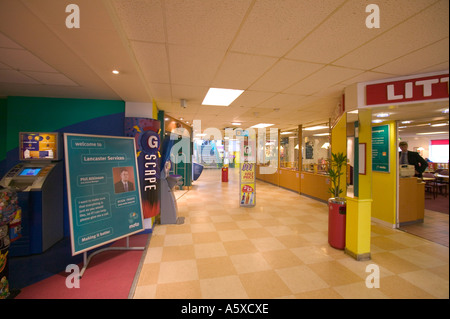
[[359, 210]]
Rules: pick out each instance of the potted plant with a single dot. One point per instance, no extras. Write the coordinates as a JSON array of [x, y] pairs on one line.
[[336, 204]]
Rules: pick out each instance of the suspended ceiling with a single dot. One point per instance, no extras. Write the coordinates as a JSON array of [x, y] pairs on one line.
[[293, 58]]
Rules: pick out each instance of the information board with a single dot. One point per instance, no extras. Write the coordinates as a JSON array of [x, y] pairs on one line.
[[380, 148], [103, 189]]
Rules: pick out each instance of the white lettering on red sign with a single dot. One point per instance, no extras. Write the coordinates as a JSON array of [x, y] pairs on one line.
[[425, 88]]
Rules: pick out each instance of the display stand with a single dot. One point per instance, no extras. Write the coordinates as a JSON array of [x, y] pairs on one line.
[[87, 259]]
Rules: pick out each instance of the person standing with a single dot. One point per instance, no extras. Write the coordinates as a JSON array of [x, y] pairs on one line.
[[412, 158]]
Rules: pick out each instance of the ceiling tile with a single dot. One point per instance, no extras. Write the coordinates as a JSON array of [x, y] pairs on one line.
[[206, 24], [274, 27], [192, 65], [141, 19], [404, 38], [50, 78], [418, 60], [346, 30], [325, 77], [13, 76], [152, 59], [23, 60], [284, 74], [239, 71]]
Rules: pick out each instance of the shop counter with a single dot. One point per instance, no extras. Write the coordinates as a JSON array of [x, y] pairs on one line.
[[315, 185], [289, 178], [411, 200]]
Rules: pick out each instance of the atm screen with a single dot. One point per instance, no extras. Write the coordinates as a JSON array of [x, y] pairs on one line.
[[30, 171]]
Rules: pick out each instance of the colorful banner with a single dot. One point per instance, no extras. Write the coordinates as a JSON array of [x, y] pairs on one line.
[[146, 135], [103, 189], [247, 195]]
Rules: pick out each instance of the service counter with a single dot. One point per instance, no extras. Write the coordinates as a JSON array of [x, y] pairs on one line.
[[315, 185], [307, 183], [411, 200], [289, 178]]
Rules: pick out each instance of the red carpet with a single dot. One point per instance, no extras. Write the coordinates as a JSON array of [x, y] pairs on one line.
[[109, 275], [439, 204]]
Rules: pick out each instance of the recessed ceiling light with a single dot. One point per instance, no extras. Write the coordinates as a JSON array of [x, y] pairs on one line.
[[115, 71], [406, 122], [221, 97], [377, 121], [285, 133], [382, 114], [261, 125], [445, 111], [236, 123]]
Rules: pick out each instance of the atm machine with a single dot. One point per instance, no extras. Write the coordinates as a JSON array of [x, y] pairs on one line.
[[38, 181]]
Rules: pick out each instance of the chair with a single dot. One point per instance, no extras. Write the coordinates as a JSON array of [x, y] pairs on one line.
[[430, 183], [441, 186]]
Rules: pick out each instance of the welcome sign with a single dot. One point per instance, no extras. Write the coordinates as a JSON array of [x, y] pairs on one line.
[[103, 189]]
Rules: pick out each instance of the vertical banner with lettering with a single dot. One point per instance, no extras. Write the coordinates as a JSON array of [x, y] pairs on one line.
[[103, 189], [145, 132], [247, 195]]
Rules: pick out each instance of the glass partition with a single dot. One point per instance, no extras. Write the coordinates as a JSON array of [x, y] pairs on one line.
[[267, 148], [316, 148], [289, 149]]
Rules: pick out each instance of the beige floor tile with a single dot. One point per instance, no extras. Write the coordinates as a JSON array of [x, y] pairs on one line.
[[431, 283], [267, 244], [281, 258], [145, 292], [178, 271], [205, 237], [418, 258], [237, 247], [311, 254], [360, 291], [301, 279], [207, 250], [153, 255], [334, 273], [178, 239], [179, 290], [398, 288], [149, 274], [245, 263], [230, 235], [215, 267], [180, 252], [228, 287], [264, 284]]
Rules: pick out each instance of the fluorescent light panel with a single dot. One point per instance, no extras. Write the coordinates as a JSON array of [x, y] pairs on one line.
[[261, 125], [221, 97], [315, 128]]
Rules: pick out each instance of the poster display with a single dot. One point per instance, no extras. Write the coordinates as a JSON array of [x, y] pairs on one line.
[[145, 132], [247, 195], [380, 148], [103, 189], [38, 146]]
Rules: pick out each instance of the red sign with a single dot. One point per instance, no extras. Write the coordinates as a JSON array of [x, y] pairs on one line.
[[432, 87]]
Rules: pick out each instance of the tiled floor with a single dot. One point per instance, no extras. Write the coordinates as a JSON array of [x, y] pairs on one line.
[[435, 227], [278, 249]]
